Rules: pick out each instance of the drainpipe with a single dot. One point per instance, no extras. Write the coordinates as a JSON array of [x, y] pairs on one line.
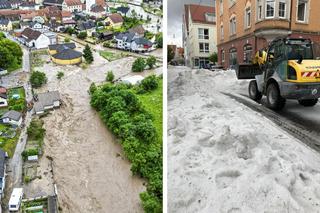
[[291, 17]]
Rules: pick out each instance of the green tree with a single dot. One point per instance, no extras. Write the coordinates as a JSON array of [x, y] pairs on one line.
[[82, 35], [66, 40], [110, 76], [70, 30], [151, 61], [149, 83], [87, 54], [159, 40], [37, 79], [11, 54], [170, 53], [2, 35], [214, 57], [60, 75], [138, 65]]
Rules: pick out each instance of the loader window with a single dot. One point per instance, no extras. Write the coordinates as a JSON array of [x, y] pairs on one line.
[[297, 50]]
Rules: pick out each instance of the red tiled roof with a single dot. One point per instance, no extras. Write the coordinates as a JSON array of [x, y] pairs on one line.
[[116, 18], [65, 13], [72, 2], [101, 3], [198, 13]]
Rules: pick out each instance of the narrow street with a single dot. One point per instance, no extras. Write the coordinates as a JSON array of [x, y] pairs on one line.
[[16, 162]]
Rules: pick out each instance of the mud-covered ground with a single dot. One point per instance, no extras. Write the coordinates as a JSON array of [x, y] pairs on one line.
[[88, 164]]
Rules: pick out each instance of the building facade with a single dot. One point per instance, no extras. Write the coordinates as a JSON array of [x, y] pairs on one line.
[[246, 26], [199, 35]]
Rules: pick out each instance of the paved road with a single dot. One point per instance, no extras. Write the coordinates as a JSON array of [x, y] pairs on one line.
[[15, 164]]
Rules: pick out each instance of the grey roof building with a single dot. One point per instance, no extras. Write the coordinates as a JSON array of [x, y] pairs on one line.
[[46, 101], [61, 47], [12, 115]]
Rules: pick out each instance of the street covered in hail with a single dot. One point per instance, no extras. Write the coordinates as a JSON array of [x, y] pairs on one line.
[[226, 156]]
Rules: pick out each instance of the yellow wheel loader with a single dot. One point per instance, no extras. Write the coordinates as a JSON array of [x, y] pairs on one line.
[[287, 69]]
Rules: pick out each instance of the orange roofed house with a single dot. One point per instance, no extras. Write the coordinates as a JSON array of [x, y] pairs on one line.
[[199, 34], [245, 26]]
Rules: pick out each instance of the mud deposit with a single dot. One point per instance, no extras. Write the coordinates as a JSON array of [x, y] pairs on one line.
[[88, 164]]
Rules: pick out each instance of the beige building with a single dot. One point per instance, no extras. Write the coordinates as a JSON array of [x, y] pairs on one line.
[[199, 34], [245, 26], [5, 25]]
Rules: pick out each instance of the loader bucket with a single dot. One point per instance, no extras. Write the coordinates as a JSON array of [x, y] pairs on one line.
[[247, 71]]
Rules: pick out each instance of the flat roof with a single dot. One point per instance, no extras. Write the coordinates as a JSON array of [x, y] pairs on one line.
[[15, 196]]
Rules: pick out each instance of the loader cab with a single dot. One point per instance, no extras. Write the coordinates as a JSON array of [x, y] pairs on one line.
[[282, 51]]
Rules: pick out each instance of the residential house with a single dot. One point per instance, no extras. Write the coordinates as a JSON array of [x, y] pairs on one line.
[[114, 20], [91, 3], [246, 26], [14, 18], [97, 11], [3, 156], [141, 45], [5, 25], [87, 26], [34, 38], [53, 38], [12, 117], [57, 3], [138, 30], [47, 101], [124, 40], [123, 11], [27, 5], [199, 34], [106, 35], [38, 19], [132, 42], [73, 6], [66, 16]]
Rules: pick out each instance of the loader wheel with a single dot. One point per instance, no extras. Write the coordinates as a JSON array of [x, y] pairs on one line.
[[254, 93], [274, 99], [308, 102]]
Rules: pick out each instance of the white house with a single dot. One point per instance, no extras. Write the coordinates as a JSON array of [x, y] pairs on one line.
[[141, 45], [3, 102], [199, 34], [72, 6], [34, 38], [12, 117]]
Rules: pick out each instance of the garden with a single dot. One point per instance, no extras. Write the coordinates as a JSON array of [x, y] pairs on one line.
[[33, 148], [111, 56], [35, 206], [17, 100], [134, 115]]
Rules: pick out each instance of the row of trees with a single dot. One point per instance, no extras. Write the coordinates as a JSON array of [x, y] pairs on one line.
[[125, 116], [140, 63]]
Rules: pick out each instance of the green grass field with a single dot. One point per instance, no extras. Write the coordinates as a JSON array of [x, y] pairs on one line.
[[152, 102], [110, 56]]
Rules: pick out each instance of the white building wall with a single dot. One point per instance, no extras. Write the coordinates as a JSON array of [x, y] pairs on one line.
[[42, 42]]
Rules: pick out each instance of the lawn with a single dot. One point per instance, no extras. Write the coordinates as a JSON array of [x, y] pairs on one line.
[[8, 144], [17, 90], [110, 56], [152, 102], [17, 104]]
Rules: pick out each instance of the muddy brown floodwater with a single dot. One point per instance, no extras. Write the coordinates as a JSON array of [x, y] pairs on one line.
[[88, 164]]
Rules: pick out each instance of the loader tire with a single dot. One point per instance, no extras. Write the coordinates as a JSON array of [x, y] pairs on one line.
[[274, 99], [254, 93], [308, 102]]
